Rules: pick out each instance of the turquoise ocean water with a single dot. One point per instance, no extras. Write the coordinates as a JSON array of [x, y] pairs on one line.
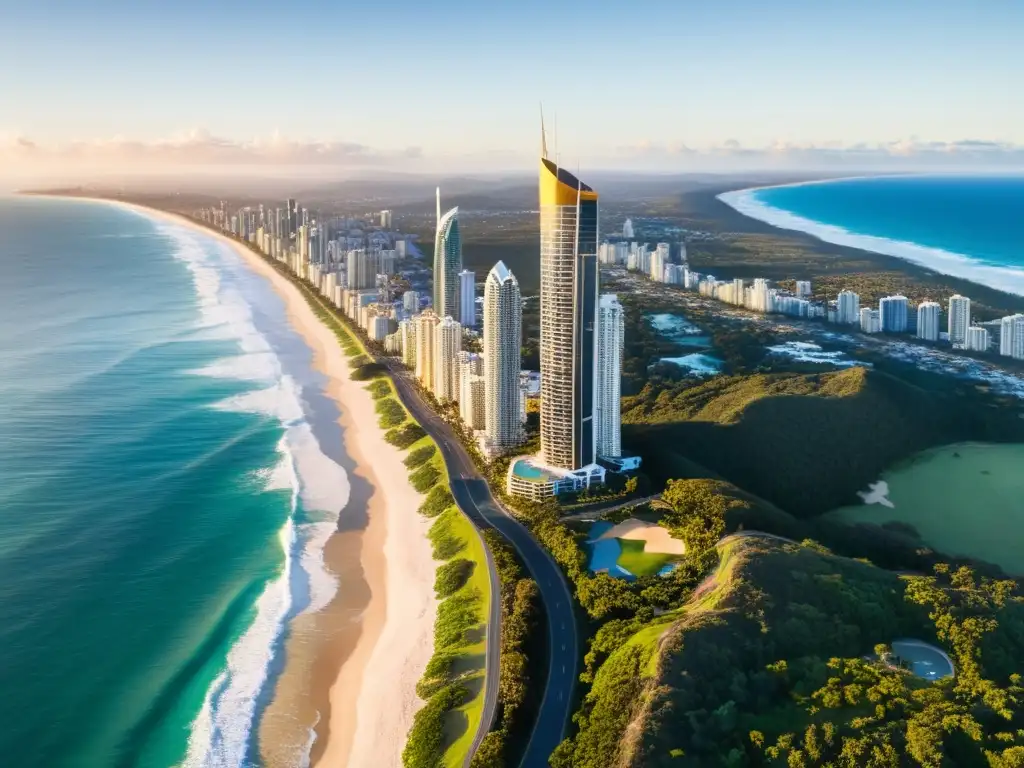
[[164, 492], [969, 227]]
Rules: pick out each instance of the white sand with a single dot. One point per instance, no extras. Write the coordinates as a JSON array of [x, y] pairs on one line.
[[655, 538], [372, 707]]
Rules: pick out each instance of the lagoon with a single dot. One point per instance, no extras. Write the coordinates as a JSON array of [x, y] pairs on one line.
[[964, 499]]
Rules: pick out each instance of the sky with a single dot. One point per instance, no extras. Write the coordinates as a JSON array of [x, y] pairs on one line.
[[669, 85]]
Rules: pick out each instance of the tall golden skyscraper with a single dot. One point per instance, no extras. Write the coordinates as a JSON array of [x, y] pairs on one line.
[[568, 316]]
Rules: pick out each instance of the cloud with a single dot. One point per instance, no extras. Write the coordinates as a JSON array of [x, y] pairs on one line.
[[910, 153], [199, 148]]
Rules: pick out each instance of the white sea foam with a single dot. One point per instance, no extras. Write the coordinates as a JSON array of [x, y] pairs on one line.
[[221, 732], [945, 262]]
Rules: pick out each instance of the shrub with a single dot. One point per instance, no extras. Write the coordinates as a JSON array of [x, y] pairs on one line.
[[425, 478], [456, 616], [405, 435], [368, 371], [391, 412], [359, 361], [424, 748], [452, 576], [421, 455], [437, 501], [379, 389], [437, 674], [443, 538]]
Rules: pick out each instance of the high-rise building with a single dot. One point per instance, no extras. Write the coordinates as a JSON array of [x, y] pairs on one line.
[[893, 310], [610, 332], [447, 345], [627, 229], [1011, 337], [503, 332], [928, 320], [407, 334], [870, 320], [568, 317], [959, 320], [411, 302], [385, 219], [803, 288], [472, 391], [447, 261], [848, 308], [425, 323], [291, 218], [977, 339], [467, 298], [360, 269]]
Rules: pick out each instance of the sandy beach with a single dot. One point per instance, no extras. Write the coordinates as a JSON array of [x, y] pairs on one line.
[[350, 671]]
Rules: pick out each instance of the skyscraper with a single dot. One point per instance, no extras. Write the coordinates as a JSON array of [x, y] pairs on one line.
[[870, 320], [447, 345], [959, 320], [425, 322], [359, 269], [977, 339], [610, 331], [467, 298], [447, 261], [1011, 336], [893, 310], [291, 211], [568, 316], [928, 320], [472, 391], [503, 332], [848, 308], [407, 333]]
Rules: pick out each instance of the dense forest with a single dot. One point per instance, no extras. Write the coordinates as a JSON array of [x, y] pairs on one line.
[[804, 441], [776, 660]]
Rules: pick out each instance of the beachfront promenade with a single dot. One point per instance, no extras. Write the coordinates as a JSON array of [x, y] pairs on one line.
[[474, 497]]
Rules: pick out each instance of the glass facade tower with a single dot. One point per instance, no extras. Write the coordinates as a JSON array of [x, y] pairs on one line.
[[568, 317], [447, 262]]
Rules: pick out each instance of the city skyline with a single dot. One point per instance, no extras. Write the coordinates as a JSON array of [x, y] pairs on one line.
[[803, 70]]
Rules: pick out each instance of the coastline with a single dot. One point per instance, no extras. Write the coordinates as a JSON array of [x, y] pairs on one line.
[[347, 692], [949, 263]]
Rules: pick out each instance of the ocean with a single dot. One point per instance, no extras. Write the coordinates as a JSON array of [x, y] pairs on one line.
[[968, 227], [169, 474]]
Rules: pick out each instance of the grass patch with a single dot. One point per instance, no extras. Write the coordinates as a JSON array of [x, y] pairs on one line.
[[639, 562], [444, 735]]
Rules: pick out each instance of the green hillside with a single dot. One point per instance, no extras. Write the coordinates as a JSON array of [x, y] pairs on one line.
[[806, 442], [765, 665]]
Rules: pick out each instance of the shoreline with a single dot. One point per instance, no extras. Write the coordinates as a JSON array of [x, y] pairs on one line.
[[938, 260], [378, 628]]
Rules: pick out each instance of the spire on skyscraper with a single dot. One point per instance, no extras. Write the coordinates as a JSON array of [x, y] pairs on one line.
[[543, 136]]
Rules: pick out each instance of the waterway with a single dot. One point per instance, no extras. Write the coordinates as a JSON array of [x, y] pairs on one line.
[[964, 499]]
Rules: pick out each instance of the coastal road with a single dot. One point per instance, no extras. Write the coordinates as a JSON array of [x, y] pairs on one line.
[[474, 497]]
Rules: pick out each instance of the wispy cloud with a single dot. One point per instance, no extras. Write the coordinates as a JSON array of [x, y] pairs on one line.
[[200, 148], [199, 151], [912, 153]]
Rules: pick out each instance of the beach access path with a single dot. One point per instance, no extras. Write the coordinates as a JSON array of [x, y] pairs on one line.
[[474, 497]]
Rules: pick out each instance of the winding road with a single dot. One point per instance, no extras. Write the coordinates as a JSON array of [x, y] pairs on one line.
[[474, 497]]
